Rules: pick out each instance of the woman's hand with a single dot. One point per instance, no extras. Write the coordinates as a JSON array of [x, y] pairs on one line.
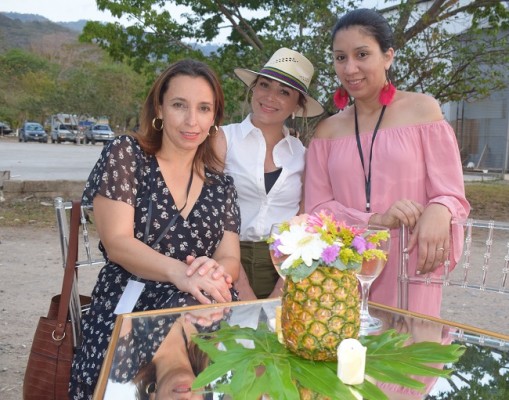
[[197, 285], [431, 234], [206, 317], [401, 212], [203, 265]]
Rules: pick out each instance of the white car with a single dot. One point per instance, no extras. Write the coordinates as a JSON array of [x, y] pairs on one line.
[[99, 133], [64, 133]]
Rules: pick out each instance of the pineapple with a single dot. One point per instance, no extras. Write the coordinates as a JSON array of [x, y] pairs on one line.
[[320, 311]]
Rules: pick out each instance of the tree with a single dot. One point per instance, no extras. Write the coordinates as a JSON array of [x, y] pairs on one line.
[[481, 373], [119, 94], [75, 82], [448, 48], [28, 85], [104, 89]]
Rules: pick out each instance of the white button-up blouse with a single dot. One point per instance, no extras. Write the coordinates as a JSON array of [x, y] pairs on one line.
[[245, 158]]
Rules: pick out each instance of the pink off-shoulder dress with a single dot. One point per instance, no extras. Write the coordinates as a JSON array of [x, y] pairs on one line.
[[419, 162]]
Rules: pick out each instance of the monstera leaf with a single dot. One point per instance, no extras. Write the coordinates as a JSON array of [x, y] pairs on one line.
[[251, 363]]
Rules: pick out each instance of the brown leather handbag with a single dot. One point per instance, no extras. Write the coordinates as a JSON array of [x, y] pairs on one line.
[[49, 364]]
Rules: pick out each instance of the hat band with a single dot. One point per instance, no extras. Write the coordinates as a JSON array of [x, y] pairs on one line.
[[281, 75]]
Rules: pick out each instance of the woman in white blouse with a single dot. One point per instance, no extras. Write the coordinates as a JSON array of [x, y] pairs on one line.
[[266, 162]]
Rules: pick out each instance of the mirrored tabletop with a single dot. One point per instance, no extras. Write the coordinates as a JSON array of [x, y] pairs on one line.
[[150, 347]]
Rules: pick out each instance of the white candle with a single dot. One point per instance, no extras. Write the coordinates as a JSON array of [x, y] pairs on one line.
[[351, 361]]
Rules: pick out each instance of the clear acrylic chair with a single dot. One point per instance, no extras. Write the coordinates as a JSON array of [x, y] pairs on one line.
[[78, 304], [484, 263]]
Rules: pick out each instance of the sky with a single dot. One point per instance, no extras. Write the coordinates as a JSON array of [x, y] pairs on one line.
[[58, 10], [73, 10]]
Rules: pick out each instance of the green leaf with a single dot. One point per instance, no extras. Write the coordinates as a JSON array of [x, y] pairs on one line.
[[320, 377], [269, 368], [369, 390], [300, 271]]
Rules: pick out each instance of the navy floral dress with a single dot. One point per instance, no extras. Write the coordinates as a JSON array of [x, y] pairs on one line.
[[124, 172]]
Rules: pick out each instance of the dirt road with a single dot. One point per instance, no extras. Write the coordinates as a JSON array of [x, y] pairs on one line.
[[30, 273]]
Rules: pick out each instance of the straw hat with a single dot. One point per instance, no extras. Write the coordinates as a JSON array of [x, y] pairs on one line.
[[291, 68]]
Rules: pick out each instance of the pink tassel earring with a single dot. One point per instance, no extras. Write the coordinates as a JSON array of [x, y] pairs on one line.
[[341, 98], [388, 91]]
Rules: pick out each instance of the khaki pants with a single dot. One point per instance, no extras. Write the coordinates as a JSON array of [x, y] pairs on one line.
[[260, 271]]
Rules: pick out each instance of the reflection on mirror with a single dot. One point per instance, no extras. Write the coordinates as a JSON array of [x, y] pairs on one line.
[[155, 357], [481, 373]]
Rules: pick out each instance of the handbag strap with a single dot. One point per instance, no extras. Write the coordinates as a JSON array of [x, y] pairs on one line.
[[70, 271]]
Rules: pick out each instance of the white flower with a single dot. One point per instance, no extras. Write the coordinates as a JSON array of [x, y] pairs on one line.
[[298, 243]]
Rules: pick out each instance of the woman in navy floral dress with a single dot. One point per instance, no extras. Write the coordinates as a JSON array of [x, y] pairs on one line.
[[167, 219]]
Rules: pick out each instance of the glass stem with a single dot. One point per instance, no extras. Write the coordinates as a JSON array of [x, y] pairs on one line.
[[364, 299]]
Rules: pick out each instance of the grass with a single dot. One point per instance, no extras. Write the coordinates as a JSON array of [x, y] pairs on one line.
[[38, 213], [489, 200]]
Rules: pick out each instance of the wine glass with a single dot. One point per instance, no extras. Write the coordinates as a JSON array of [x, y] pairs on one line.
[[366, 274], [277, 259]]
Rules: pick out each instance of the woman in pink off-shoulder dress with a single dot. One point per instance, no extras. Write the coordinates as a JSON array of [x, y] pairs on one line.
[[389, 159]]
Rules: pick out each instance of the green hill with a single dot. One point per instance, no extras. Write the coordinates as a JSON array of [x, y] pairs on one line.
[[28, 31]]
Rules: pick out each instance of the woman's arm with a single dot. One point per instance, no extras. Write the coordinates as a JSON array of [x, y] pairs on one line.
[[114, 221], [242, 285], [227, 254], [446, 192], [219, 144], [224, 264], [115, 225]]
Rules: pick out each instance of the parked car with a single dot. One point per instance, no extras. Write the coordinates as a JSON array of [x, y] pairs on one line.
[[64, 133], [99, 133], [33, 131], [5, 129]]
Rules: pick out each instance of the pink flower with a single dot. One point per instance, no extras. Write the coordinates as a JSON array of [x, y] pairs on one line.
[[315, 220], [319, 220]]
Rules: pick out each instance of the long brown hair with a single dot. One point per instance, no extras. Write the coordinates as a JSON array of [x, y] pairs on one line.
[[150, 139], [147, 374]]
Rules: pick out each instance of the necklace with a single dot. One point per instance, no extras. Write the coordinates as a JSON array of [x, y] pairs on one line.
[[176, 215], [367, 178], [188, 189]]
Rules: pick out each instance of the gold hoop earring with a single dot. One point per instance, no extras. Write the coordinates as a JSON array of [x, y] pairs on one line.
[[155, 121], [213, 130], [152, 386]]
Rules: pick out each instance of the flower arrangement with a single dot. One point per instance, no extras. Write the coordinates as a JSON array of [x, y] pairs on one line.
[[307, 241]]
